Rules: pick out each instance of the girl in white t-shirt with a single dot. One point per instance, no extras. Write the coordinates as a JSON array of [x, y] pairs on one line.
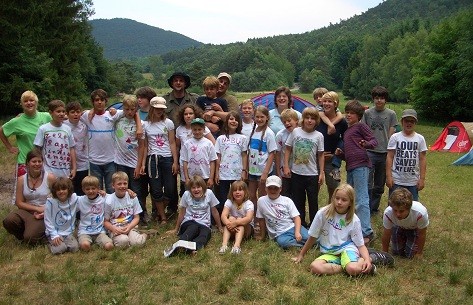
[[338, 232], [237, 216], [247, 109], [196, 208], [261, 148], [161, 162], [186, 114], [232, 158]]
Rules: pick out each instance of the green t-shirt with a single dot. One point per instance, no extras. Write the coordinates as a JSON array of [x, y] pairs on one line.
[[24, 128]]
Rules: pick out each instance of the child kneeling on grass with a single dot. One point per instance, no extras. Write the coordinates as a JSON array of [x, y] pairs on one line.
[[122, 214], [405, 224], [279, 215], [197, 204], [338, 232]]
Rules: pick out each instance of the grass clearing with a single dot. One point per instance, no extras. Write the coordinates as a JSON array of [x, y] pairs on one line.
[[263, 273]]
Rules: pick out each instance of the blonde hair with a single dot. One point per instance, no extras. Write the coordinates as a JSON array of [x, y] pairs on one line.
[[264, 111], [332, 96], [90, 181], [211, 82], [119, 176], [27, 95], [289, 114], [130, 101], [313, 113], [247, 101], [153, 116], [331, 211]]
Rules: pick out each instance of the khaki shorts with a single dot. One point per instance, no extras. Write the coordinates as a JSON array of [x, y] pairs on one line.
[[101, 239]]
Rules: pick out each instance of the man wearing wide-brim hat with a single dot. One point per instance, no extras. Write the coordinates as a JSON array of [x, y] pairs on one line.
[[179, 82]]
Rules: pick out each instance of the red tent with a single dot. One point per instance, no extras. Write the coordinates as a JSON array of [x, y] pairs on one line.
[[455, 137]]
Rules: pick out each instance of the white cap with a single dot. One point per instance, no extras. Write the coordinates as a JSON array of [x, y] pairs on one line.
[[273, 181]]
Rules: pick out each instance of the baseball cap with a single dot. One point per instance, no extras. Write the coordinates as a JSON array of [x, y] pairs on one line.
[[225, 74], [409, 113], [158, 102], [273, 181], [198, 121]]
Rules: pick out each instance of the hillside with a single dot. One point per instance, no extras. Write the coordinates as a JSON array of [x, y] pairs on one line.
[[125, 38]]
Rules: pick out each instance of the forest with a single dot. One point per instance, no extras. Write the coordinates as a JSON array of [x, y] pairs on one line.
[[422, 51]]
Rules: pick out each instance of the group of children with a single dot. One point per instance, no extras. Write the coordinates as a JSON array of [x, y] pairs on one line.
[[240, 163]]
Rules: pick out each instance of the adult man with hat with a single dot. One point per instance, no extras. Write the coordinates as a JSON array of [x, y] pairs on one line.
[[179, 82], [225, 79]]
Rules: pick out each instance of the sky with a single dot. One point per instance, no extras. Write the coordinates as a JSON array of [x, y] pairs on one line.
[[222, 22]]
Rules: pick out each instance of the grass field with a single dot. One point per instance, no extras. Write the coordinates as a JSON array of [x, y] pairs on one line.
[[263, 273]]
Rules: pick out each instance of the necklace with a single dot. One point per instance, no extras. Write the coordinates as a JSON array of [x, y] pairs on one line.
[[34, 181]]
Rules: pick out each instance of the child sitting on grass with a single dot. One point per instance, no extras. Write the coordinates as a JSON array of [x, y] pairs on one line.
[[237, 216], [122, 214], [405, 224], [337, 230]]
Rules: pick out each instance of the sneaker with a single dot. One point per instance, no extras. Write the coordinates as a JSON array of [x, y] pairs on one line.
[[223, 249], [335, 173], [381, 258], [236, 250]]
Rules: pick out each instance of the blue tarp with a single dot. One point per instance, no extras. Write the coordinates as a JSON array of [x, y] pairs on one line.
[[267, 100], [466, 159]]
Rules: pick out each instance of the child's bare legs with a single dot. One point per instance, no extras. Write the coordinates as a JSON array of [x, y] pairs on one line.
[[321, 267], [355, 268], [226, 237], [239, 236], [252, 189], [261, 189], [85, 245]]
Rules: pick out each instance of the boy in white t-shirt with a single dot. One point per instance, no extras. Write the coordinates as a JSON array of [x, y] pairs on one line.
[[199, 154], [405, 225], [406, 162], [57, 143], [280, 217]]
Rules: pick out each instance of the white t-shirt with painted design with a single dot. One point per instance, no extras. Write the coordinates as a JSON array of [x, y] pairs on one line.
[[278, 214], [121, 211], [407, 149], [79, 132], [418, 218], [281, 138], [230, 150], [101, 142], [126, 141], [247, 128], [60, 217], [259, 151], [157, 134], [198, 209], [334, 234], [56, 143], [305, 146], [198, 153], [91, 215], [184, 134], [240, 212]]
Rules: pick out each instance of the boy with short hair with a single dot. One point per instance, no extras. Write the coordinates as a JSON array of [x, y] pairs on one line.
[[382, 122], [279, 215], [357, 138], [406, 162], [91, 207], [122, 214], [144, 96], [101, 147], [290, 119], [79, 132], [405, 224], [128, 158], [215, 109], [199, 154], [57, 143]]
